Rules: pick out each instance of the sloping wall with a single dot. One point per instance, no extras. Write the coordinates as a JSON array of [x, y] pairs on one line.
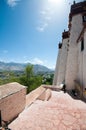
[[72, 61], [55, 80], [63, 62], [12, 104]]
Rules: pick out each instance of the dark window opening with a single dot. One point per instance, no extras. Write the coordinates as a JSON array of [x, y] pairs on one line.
[[60, 45], [84, 18], [82, 45]]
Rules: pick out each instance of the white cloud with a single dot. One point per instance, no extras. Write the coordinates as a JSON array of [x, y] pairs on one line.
[[41, 62], [49, 13], [37, 61], [24, 57], [42, 27], [12, 3], [52, 67], [48, 18], [44, 18], [43, 12]]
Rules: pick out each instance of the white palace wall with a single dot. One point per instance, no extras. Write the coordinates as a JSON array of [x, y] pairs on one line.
[[63, 61], [84, 61], [55, 80], [80, 64], [72, 61], [81, 75], [84, 64]]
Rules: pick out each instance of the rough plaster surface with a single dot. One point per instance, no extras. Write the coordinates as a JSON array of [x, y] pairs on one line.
[[13, 104], [72, 61], [61, 112], [55, 82], [63, 62]]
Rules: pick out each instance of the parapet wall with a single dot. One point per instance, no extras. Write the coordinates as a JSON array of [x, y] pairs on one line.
[[13, 104]]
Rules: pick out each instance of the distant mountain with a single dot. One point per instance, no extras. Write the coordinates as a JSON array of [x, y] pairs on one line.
[[41, 68], [20, 67], [12, 66]]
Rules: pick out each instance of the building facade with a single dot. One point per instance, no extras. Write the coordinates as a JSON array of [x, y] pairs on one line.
[[70, 66]]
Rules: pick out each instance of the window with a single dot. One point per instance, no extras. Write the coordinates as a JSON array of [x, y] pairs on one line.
[[84, 18], [82, 45], [60, 45]]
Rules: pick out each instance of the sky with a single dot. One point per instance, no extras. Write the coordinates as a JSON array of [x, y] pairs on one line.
[[30, 30]]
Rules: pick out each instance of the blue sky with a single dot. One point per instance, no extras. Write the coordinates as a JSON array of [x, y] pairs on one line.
[[30, 30]]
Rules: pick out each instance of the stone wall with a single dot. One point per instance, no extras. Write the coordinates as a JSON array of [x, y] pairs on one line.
[[12, 105], [33, 95]]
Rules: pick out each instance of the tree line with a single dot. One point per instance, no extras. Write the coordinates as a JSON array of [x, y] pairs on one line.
[[27, 78]]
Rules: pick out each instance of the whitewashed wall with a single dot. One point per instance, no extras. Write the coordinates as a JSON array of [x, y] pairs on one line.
[[57, 67], [63, 62], [72, 61], [84, 64], [80, 64]]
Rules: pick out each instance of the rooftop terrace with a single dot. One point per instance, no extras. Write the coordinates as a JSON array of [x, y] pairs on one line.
[[60, 112]]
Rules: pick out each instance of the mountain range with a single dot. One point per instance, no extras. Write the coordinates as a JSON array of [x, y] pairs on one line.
[[11, 66]]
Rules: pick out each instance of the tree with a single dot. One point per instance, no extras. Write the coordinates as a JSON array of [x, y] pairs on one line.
[[48, 79], [29, 79]]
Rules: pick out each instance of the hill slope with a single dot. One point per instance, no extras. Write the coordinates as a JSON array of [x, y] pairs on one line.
[[20, 67]]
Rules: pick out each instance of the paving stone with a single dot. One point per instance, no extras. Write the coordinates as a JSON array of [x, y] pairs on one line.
[[68, 120], [77, 115], [56, 122], [61, 112], [69, 128], [61, 127], [76, 127], [83, 127]]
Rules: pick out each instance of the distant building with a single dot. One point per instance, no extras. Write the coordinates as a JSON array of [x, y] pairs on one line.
[[71, 61]]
